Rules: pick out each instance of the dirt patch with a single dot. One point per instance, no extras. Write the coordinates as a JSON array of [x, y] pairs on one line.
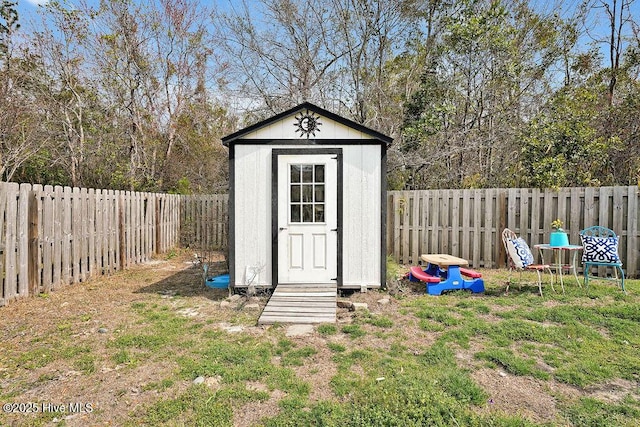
[[252, 413], [88, 315], [613, 391], [318, 370], [522, 396]]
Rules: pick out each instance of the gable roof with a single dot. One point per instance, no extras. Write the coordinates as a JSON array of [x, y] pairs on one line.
[[311, 107]]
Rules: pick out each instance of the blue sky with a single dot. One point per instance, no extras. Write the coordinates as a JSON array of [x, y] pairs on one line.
[[596, 25]]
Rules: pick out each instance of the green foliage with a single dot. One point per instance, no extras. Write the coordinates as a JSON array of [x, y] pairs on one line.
[[441, 315], [197, 406], [380, 321], [460, 386], [85, 364], [393, 268], [430, 326], [562, 147], [472, 88], [439, 354], [512, 363], [296, 357], [182, 186], [8, 24], [459, 122], [336, 348], [327, 329], [354, 331], [161, 385], [591, 412], [140, 341]]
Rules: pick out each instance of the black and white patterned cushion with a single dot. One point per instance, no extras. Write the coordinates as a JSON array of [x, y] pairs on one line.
[[520, 252], [600, 249]]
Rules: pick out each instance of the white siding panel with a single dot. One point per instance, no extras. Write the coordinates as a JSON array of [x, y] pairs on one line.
[[361, 250], [253, 212], [285, 129]]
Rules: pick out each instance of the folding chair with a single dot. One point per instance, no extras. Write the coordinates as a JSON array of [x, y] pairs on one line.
[[521, 258]]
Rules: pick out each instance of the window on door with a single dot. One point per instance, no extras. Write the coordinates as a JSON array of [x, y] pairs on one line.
[[306, 193]]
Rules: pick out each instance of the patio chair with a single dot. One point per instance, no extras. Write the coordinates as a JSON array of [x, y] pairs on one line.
[[521, 258], [600, 249]]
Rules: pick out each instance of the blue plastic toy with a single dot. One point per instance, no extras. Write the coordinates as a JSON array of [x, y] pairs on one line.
[[218, 282], [438, 280]]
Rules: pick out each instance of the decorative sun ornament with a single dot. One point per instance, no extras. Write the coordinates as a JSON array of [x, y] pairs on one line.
[[307, 123]]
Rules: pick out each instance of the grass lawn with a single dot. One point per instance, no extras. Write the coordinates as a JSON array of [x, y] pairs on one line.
[[152, 346]]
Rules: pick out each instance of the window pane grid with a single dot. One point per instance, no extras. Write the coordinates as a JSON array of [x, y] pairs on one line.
[[307, 193]]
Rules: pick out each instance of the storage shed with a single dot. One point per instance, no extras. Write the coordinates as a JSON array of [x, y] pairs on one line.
[[307, 201]]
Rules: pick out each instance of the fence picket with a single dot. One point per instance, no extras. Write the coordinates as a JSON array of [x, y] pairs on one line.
[[91, 231], [66, 235], [23, 239], [537, 228], [47, 238], [454, 222], [84, 241], [99, 232], [573, 226], [632, 230], [414, 218], [3, 256], [466, 224], [34, 242], [56, 275], [10, 280]]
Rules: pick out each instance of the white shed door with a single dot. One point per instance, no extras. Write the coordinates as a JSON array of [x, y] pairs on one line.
[[307, 218]]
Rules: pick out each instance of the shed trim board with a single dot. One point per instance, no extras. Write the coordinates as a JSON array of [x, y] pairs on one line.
[[275, 153], [383, 215], [231, 213], [311, 142]]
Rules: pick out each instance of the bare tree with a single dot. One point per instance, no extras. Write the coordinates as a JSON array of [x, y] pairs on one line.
[[283, 52], [370, 34], [618, 17], [152, 60], [69, 92], [19, 121]]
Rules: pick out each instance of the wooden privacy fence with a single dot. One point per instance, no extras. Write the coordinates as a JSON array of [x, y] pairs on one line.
[[51, 236], [204, 222], [469, 223]]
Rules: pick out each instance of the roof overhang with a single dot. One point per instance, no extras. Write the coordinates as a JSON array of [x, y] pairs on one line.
[[238, 135]]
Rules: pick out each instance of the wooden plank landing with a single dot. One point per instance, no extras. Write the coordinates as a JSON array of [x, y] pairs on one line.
[[301, 303]]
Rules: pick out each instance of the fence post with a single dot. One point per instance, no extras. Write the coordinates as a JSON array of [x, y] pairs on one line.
[[502, 223], [121, 231], [389, 224], [34, 244], [3, 206], [158, 248]]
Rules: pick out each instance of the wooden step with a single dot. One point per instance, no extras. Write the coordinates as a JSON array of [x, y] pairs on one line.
[[304, 303]]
